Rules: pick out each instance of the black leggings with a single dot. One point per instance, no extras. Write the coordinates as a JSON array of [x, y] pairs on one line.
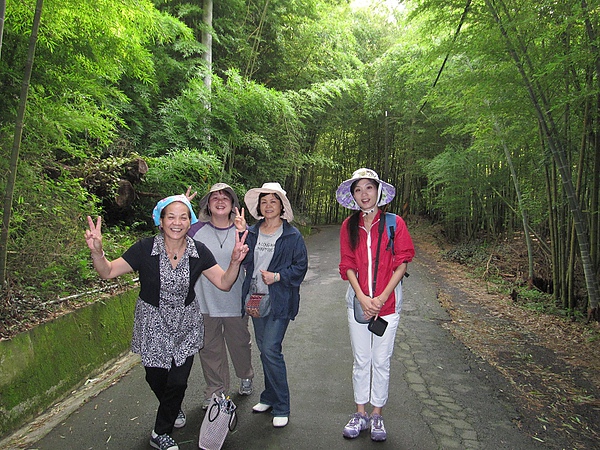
[[169, 386]]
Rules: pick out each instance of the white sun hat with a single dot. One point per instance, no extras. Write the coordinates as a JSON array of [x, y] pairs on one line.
[[386, 192], [251, 200]]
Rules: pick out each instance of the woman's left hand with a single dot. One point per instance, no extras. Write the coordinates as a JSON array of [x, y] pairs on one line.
[[240, 249], [269, 277]]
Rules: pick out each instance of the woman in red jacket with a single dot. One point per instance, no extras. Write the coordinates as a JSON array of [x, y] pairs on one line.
[[375, 280]]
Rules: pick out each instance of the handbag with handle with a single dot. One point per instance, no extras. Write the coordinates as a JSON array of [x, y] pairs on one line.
[[220, 418]]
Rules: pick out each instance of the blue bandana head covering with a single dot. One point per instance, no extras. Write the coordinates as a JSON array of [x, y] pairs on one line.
[[162, 204]]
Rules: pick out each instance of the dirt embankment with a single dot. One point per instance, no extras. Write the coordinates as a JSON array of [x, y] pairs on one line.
[[551, 362]]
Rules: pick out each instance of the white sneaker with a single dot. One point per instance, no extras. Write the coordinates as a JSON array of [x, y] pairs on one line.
[[261, 408], [279, 422], [162, 442], [180, 421]]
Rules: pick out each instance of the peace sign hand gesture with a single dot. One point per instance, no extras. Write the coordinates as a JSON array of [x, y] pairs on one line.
[[240, 249], [93, 236], [188, 194], [239, 220]]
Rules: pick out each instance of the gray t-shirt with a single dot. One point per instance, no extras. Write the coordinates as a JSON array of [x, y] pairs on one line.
[[212, 300], [263, 254]]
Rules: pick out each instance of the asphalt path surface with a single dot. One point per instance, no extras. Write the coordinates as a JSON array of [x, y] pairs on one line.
[[441, 395]]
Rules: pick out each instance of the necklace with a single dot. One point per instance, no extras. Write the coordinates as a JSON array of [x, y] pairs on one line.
[[221, 242], [175, 254]]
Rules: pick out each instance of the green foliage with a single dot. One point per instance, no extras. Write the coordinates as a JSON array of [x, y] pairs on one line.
[[184, 120], [314, 49], [303, 92], [85, 48], [174, 172], [46, 233], [255, 129]]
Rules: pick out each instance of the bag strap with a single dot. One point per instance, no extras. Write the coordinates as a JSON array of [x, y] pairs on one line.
[[381, 226]]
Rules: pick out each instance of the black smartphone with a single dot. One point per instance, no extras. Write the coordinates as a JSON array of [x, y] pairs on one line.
[[377, 326]]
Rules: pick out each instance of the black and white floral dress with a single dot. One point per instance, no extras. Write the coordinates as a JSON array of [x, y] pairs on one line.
[[167, 327]]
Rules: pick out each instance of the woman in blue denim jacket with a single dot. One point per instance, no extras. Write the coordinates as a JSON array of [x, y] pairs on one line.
[[276, 264]]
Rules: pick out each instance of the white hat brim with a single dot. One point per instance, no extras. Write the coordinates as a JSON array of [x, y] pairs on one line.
[[251, 201], [345, 198]]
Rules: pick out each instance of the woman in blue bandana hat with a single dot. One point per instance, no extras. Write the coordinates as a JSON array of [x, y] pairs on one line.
[[167, 331]]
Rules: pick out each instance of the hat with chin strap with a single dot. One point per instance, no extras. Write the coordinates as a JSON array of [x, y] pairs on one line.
[[386, 192]]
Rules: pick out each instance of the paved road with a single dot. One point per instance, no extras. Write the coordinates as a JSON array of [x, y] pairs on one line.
[[441, 396]]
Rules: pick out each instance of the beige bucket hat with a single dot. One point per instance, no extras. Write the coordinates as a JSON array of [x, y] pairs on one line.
[[204, 213]]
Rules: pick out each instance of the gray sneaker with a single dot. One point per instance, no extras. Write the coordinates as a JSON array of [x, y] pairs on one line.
[[357, 423], [377, 428], [180, 421], [163, 442], [206, 403], [245, 386]]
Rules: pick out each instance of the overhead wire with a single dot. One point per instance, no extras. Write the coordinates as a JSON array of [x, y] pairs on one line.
[[456, 33]]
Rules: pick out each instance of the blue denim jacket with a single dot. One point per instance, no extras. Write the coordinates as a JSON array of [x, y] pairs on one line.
[[290, 260]]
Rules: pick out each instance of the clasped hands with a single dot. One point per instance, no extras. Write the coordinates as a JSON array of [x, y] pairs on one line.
[[371, 305]]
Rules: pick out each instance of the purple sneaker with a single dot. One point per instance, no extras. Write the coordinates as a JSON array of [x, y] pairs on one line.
[[357, 423], [377, 428]]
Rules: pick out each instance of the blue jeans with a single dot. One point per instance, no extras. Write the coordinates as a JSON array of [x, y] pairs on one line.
[[269, 334]]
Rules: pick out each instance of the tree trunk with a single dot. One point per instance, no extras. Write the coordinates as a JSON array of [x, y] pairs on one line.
[[2, 16], [522, 209], [544, 111], [256, 44], [207, 17], [14, 157]]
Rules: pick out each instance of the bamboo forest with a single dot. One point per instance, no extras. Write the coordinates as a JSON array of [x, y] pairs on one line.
[[485, 115]]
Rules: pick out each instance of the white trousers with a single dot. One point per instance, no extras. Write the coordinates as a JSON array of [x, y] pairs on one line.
[[372, 359]]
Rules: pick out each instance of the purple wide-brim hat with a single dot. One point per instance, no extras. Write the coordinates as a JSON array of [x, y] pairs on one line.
[[344, 196]]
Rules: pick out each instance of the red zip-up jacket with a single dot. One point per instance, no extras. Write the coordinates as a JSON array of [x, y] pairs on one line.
[[362, 258]]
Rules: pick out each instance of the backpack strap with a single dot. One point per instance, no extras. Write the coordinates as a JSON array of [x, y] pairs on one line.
[[390, 224]]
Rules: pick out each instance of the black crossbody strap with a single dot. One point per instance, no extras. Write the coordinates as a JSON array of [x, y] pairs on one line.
[[381, 228]]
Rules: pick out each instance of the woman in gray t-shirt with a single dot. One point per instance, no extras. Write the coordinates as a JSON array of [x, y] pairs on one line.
[[276, 264], [225, 329]]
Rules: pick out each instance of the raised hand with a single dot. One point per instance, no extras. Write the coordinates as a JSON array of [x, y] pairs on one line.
[[239, 220], [240, 249], [189, 195], [93, 236]]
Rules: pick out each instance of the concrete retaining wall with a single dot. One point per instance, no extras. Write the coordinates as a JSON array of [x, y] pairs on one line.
[[43, 365]]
